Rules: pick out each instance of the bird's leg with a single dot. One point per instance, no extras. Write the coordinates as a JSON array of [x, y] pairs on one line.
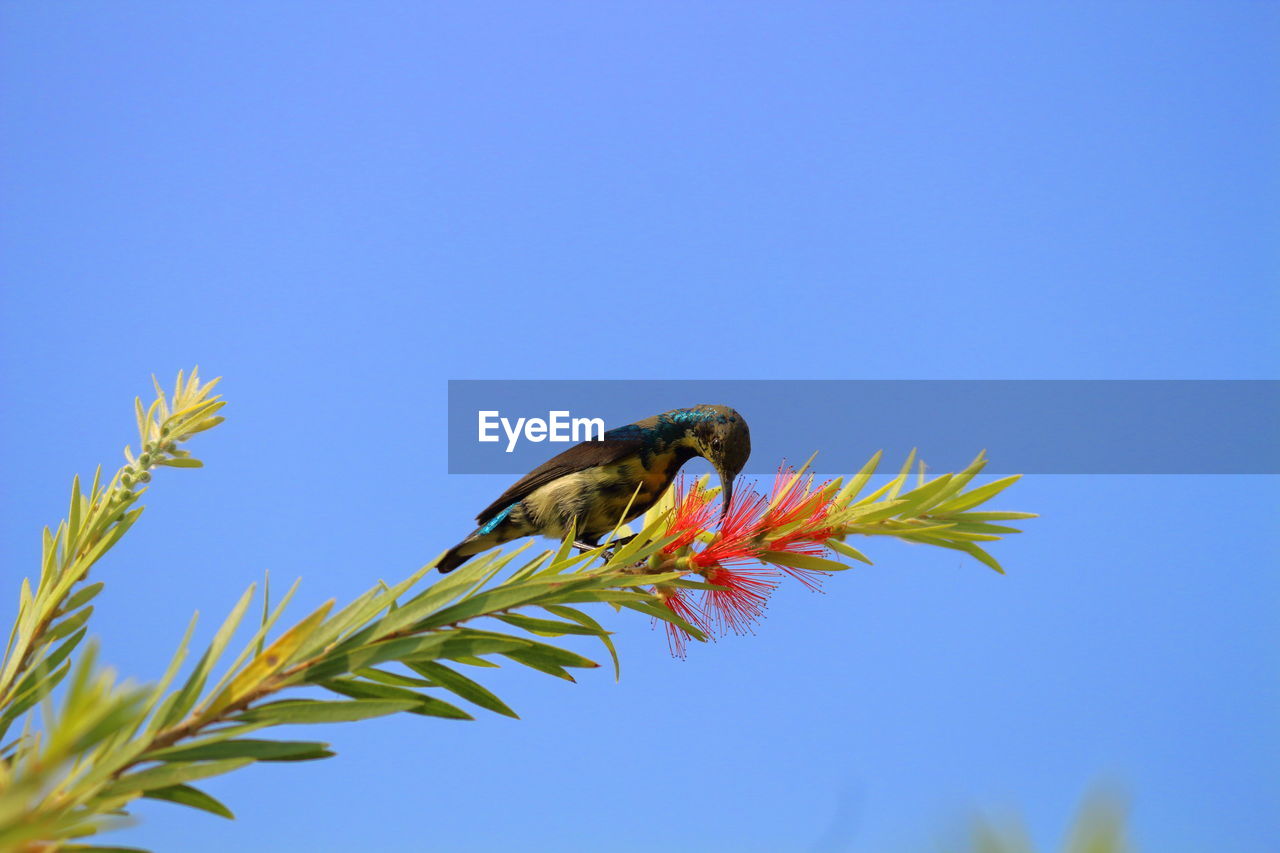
[[588, 545], [615, 544]]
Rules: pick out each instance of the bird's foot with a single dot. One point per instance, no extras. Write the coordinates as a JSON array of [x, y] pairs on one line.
[[608, 553]]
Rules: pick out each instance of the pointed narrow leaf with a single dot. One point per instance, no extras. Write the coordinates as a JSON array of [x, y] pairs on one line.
[[180, 462], [290, 711], [802, 561], [848, 550], [270, 661], [976, 496], [597, 629], [82, 596], [190, 692], [458, 683], [539, 662], [188, 796], [545, 627], [428, 706], [171, 774], [258, 750]]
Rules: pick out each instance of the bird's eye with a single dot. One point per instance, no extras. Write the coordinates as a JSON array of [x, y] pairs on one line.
[[716, 444]]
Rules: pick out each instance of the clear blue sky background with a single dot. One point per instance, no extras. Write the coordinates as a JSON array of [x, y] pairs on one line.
[[340, 206]]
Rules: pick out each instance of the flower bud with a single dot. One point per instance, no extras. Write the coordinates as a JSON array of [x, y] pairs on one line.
[[145, 460]]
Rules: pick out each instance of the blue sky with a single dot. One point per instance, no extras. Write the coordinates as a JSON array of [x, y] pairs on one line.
[[338, 207]]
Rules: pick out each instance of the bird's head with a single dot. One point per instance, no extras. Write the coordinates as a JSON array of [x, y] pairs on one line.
[[720, 435]]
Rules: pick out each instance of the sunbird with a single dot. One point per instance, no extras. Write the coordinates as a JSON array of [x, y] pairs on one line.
[[587, 488]]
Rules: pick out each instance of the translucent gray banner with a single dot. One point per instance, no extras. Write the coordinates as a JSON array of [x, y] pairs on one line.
[[1026, 426]]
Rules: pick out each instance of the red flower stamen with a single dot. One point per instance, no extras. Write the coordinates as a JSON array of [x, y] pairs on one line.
[[794, 518], [680, 602], [740, 530], [744, 598], [800, 501], [785, 508], [693, 514], [811, 578]]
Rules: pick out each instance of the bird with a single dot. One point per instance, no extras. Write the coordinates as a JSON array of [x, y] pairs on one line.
[[588, 487]]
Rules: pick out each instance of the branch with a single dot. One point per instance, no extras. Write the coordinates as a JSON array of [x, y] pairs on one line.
[[94, 524], [399, 648]]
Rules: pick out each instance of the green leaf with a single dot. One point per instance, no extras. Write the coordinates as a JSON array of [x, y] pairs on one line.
[[958, 482], [354, 614], [258, 750], [802, 561], [70, 625], [913, 502], [56, 657], [848, 550], [427, 706], [458, 683], [550, 659], [901, 480], [991, 516], [82, 596], [867, 513], [181, 462], [504, 597], [972, 550], [188, 796], [612, 596], [394, 679], [472, 660], [305, 711], [190, 691], [976, 496], [859, 480], [684, 583], [157, 693], [442, 644], [170, 774], [272, 659], [545, 627], [540, 662], [34, 693], [566, 544], [648, 606], [645, 543], [453, 586], [142, 419], [583, 619]]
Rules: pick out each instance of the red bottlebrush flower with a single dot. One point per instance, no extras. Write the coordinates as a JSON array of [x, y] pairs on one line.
[[680, 602], [742, 602], [789, 497], [693, 514], [809, 506], [739, 531]]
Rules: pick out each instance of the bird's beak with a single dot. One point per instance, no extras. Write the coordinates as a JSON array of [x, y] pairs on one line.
[[726, 492]]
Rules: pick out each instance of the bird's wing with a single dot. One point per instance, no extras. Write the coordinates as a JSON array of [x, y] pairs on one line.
[[580, 457]]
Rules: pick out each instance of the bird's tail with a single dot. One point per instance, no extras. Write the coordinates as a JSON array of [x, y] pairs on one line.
[[452, 559]]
